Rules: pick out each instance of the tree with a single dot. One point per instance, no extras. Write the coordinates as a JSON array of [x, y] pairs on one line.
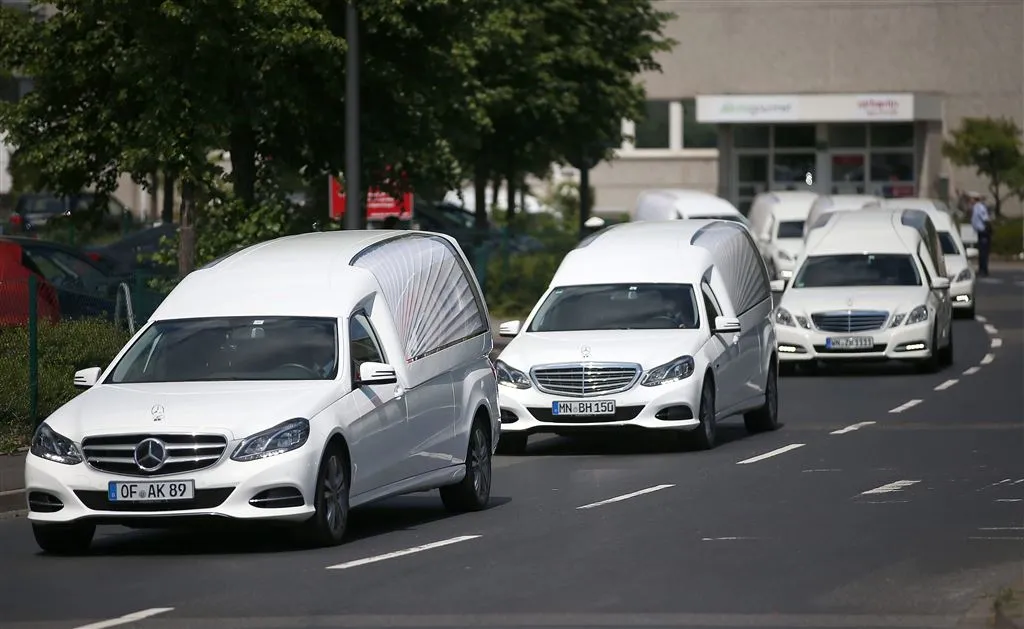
[[992, 146]]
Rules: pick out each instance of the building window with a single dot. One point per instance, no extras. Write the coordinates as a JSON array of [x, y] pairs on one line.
[[654, 131], [892, 135], [697, 135]]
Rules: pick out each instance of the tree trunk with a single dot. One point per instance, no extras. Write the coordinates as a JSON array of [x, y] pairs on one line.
[[167, 214], [243, 164], [187, 230], [495, 187], [510, 195], [154, 196], [480, 177]]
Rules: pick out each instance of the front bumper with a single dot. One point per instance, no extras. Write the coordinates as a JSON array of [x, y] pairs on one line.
[[66, 493], [673, 406], [904, 342]]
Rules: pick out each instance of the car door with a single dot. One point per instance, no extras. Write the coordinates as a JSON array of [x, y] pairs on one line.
[[379, 433], [939, 300], [725, 353]]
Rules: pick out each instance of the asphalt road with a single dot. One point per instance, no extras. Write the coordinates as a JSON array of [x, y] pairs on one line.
[[888, 499]]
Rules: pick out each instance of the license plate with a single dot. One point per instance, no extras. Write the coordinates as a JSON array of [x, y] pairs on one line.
[[850, 342], [595, 407], [151, 491]]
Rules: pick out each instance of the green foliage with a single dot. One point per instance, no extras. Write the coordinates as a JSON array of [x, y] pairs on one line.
[[1008, 237], [64, 348], [992, 146]]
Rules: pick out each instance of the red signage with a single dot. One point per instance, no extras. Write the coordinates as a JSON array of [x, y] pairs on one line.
[[379, 205]]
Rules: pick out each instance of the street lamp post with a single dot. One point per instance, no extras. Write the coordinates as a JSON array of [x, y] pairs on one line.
[[354, 214]]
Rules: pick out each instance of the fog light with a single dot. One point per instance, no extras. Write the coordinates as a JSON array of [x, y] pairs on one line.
[[787, 349], [913, 347], [963, 299]]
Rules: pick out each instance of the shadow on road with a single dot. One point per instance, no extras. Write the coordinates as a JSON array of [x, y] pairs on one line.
[[626, 443]]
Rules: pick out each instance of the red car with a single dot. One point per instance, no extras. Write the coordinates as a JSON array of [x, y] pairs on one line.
[[15, 271]]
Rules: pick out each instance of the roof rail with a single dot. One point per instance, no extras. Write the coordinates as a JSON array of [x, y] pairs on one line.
[[592, 237]]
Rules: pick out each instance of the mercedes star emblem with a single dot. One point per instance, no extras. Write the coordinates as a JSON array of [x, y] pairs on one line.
[[150, 454], [157, 412], [585, 351]]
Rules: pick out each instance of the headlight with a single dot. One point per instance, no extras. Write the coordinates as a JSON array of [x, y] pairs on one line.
[[679, 369], [963, 275], [509, 377], [784, 317], [917, 315], [51, 445], [278, 440]]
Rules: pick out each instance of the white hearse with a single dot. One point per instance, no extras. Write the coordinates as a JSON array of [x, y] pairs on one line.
[[828, 204], [286, 382], [652, 325], [777, 222], [672, 204], [869, 285]]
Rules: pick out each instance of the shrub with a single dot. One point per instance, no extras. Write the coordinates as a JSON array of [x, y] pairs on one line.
[[1008, 237], [63, 348]]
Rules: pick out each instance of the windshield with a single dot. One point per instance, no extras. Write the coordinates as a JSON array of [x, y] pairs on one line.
[[790, 229], [618, 307], [858, 269], [232, 348], [949, 247]]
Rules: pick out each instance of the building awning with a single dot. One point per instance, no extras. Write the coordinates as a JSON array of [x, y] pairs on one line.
[[767, 108]]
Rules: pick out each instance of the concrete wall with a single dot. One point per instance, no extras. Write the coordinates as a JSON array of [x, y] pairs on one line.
[[969, 51]]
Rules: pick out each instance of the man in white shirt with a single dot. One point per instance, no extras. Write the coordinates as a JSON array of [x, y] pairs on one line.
[[983, 227]]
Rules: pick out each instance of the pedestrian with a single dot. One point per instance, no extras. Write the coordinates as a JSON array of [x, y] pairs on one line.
[[982, 225]]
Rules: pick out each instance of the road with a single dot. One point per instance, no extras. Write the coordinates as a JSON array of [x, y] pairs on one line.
[[888, 499]]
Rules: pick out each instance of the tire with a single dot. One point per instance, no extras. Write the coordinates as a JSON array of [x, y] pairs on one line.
[[704, 437], [932, 364], [328, 524], [64, 539], [766, 418], [473, 492], [513, 443], [946, 353]]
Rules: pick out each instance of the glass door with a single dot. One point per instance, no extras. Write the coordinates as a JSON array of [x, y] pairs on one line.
[[751, 178], [849, 172]]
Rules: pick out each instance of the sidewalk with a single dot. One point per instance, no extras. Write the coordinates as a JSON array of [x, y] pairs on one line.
[[12, 482]]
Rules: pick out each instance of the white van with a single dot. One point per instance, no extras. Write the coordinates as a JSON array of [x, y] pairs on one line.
[[289, 381], [869, 285], [777, 222], [826, 204], [653, 325], [678, 203]]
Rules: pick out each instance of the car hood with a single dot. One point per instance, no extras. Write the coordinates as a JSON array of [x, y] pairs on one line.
[[892, 299], [649, 348], [236, 408]]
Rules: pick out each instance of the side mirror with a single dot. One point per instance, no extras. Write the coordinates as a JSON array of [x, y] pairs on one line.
[[509, 328], [86, 378], [376, 373], [726, 325], [778, 286], [972, 253], [940, 283]]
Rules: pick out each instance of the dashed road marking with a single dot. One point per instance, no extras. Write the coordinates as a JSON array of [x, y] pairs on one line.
[[988, 359], [402, 553], [998, 483], [980, 319], [825, 469], [999, 539], [997, 343], [1001, 528], [991, 329], [626, 496], [970, 371], [851, 428], [889, 488], [905, 406], [768, 455], [127, 618], [724, 539], [945, 385], [1009, 499]]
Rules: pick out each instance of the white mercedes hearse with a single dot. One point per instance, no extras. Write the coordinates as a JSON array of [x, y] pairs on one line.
[[825, 205], [870, 285], [660, 325], [288, 381], [777, 222]]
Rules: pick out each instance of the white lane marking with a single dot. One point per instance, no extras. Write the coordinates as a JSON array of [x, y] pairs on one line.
[[996, 484], [885, 502], [997, 343], [890, 487], [625, 496], [970, 371], [988, 358], [1001, 528], [851, 428], [991, 329], [1009, 499], [127, 618], [723, 539], [768, 455], [980, 319], [905, 406], [1001, 539], [826, 469], [1018, 481], [402, 553], [945, 385]]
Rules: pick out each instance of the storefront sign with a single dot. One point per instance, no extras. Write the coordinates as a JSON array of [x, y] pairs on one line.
[[813, 108], [747, 109], [885, 107]]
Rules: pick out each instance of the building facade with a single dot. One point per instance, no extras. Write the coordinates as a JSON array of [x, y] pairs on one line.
[[837, 96]]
